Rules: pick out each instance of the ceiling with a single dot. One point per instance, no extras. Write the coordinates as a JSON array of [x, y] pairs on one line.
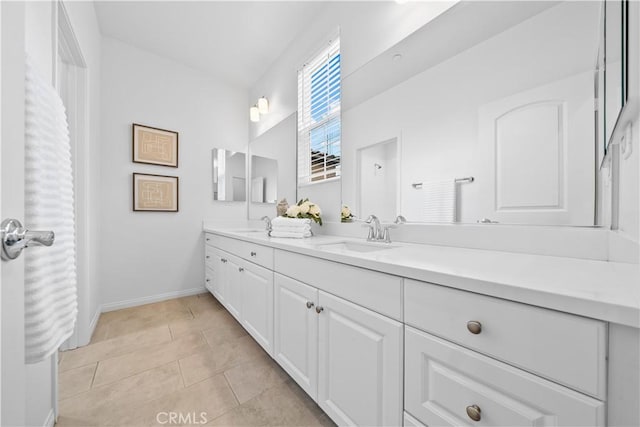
[[234, 41]]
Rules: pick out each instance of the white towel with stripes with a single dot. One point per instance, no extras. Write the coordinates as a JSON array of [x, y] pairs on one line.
[[439, 201], [50, 272]]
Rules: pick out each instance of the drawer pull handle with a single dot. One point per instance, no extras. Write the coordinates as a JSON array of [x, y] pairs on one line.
[[310, 304], [474, 327], [474, 412], [253, 254], [319, 309], [240, 269]]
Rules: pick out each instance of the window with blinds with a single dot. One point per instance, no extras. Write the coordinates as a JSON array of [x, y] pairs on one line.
[[319, 132]]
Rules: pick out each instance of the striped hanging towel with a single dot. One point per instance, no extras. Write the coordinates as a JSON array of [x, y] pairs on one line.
[[50, 272]]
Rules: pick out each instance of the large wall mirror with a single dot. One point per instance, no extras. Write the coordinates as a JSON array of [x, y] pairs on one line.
[[229, 172], [273, 163], [485, 114]]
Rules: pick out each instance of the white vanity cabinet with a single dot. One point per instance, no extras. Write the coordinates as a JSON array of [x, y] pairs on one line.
[[243, 287], [348, 358]]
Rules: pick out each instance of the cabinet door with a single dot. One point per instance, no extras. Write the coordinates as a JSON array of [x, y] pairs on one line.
[[296, 332], [257, 303], [233, 287], [218, 277], [360, 364]]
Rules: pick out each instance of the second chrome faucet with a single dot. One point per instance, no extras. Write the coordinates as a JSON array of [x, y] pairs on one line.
[[378, 232]]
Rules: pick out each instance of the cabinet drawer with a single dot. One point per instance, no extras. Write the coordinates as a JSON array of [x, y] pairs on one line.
[[377, 291], [565, 348], [446, 384], [209, 257], [258, 254]]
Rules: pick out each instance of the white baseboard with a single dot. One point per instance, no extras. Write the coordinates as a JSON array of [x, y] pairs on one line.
[[151, 299], [94, 322], [51, 419]]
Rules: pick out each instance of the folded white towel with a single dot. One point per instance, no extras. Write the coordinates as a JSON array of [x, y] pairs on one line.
[[290, 222], [289, 234], [439, 201], [50, 273]]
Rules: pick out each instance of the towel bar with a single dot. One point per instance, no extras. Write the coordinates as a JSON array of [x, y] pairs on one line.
[[469, 179]]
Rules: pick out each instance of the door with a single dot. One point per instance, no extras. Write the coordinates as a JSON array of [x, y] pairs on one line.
[[13, 370], [295, 345], [378, 188], [218, 275], [359, 364], [536, 158], [233, 287], [257, 304]]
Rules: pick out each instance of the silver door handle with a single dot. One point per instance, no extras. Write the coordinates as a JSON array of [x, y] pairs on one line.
[[15, 238]]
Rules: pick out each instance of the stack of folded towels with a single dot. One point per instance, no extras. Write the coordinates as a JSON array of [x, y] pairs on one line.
[[291, 227]]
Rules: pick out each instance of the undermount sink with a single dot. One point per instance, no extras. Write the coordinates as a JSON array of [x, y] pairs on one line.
[[354, 247]]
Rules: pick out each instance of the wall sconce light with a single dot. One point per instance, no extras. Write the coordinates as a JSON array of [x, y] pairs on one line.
[[254, 114], [263, 105]]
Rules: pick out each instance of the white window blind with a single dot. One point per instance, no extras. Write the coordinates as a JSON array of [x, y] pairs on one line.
[[319, 127]]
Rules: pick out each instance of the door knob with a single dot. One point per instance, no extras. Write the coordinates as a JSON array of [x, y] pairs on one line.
[[15, 238], [474, 327], [310, 304], [319, 309]]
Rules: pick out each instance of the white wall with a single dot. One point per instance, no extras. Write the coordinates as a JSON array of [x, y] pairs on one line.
[[144, 255]]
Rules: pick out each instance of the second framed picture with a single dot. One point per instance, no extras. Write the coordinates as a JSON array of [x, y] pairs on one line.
[[155, 193], [155, 146]]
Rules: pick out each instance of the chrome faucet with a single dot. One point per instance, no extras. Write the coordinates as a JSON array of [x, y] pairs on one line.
[[267, 221], [374, 228]]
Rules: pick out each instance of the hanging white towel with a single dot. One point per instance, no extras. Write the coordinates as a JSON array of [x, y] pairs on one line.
[[439, 201], [50, 272]]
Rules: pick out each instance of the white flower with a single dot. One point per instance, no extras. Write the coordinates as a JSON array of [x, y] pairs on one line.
[[304, 207], [315, 210], [293, 211], [346, 212]]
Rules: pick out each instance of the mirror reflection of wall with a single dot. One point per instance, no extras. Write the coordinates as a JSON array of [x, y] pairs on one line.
[[273, 168], [378, 179], [229, 175], [264, 180], [613, 66], [513, 109]]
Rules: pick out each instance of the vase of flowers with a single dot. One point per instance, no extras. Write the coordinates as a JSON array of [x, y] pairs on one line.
[[305, 209], [345, 214]]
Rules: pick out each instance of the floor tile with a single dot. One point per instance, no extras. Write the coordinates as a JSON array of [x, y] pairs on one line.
[[220, 319], [223, 328], [75, 381], [197, 404], [119, 367], [213, 360], [101, 404], [252, 378], [114, 347]]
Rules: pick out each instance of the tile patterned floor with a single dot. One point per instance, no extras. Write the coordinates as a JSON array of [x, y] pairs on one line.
[[185, 356]]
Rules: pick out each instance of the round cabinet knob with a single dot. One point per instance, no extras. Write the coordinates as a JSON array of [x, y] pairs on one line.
[[474, 412], [208, 280], [253, 254], [474, 327], [240, 269], [208, 239], [319, 309], [310, 304], [208, 257]]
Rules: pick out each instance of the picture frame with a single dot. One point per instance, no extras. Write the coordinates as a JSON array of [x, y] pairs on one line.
[[155, 193], [154, 146]]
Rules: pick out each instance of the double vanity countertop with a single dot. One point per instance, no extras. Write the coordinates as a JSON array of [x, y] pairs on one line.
[[602, 290]]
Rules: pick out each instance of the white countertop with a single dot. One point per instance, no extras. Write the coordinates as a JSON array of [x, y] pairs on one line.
[[602, 290]]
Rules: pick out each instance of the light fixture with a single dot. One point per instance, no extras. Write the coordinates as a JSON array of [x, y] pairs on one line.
[[263, 105], [254, 114]]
